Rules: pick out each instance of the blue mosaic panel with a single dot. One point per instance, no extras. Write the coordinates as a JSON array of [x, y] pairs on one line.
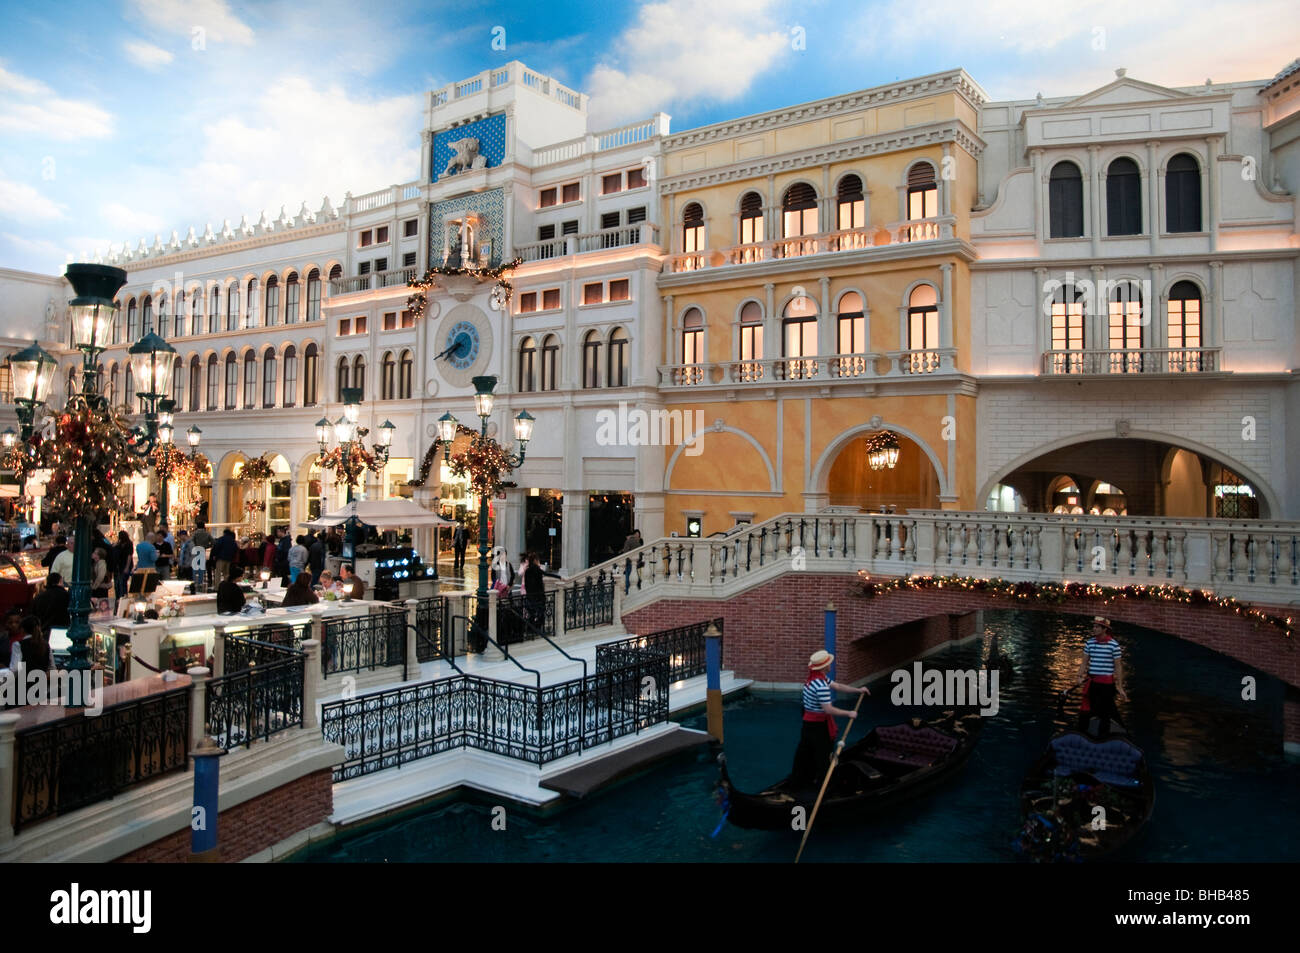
[[491, 205], [491, 136]]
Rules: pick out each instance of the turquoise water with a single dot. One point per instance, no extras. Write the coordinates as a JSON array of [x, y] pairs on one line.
[[1223, 790]]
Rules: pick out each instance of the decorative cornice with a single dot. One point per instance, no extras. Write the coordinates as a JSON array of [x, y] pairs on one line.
[[949, 130], [957, 81], [221, 248]]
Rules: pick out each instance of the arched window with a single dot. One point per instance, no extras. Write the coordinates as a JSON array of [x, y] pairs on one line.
[[196, 311], [291, 292], [1068, 331], [146, 324], [178, 385], [751, 218], [250, 319], [405, 367], [110, 385], [128, 389], [310, 374], [923, 329], [162, 316], [272, 300], [179, 322], [250, 380], [693, 336], [290, 376], [232, 308], [751, 341], [336, 273], [341, 378], [1184, 324], [591, 359], [214, 311], [1126, 328], [1183, 194], [132, 322], [214, 382], [232, 382], [268, 377], [359, 374], [196, 383], [550, 362], [387, 376], [527, 365], [922, 192], [313, 295], [617, 373], [799, 337], [850, 204], [1065, 201], [851, 336], [799, 211], [1123, 198], [693, 231]]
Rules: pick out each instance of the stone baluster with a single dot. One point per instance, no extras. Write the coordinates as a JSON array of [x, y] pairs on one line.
[[956, 550], [1159, 559], [1034, 556], [1018, 551], [882, 539], [1263, 569], [1124, 556], [1240, 555], [1180, 556], [972, 545], [1283, 565]]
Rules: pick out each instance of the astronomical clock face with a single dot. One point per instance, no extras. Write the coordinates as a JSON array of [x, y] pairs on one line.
[[466, 337]]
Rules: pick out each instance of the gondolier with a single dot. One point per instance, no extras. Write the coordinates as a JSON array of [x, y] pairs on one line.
[[1102, 672], [817, 739]]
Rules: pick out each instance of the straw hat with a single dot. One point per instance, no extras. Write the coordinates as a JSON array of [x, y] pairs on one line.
[[820, 659], [1101, 620]]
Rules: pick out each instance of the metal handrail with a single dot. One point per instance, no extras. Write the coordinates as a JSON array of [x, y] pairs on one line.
[[504, 651]]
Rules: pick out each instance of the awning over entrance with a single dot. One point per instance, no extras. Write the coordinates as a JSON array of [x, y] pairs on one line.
[[381, 514]]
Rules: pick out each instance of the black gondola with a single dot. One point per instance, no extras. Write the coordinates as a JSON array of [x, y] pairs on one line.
[[1075, 775], [892, 764]]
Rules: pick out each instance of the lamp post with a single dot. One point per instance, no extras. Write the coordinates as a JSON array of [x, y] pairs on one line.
[[483, 402], [92, 311], [350, 439], [166, 434]]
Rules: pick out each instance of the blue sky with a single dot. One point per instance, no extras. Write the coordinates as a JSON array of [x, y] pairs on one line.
[[120, 119]]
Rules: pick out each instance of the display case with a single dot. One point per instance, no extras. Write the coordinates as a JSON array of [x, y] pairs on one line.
[[393, 569]]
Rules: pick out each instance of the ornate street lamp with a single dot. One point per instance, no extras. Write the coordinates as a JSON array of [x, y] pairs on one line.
[[484, 400], [350, 457], [31, 372], [194, 435]]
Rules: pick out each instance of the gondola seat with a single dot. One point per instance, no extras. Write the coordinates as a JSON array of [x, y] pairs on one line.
[[916, 747], [1113, 762]]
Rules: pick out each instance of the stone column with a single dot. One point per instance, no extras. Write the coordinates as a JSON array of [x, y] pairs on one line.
[[1212, 170], [8, 727], [198, 705], [310, 685], [510, 523], [1156, 221], [1094, 199], [575, 514]]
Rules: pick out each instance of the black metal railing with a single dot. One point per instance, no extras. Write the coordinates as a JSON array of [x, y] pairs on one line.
[[525, 722], [364, 642], [589, 605], [260, 645], [258, 699], [520, 619], [683, 647], [432, 640], [63, 765]]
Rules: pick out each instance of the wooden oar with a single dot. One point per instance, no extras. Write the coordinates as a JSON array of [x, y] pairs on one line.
[[835, 758]]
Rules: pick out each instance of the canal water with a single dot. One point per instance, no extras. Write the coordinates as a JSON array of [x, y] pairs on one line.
[[1224, 792]]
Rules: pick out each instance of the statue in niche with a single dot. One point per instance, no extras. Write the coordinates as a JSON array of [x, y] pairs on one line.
[[464, 155], [454, 257]]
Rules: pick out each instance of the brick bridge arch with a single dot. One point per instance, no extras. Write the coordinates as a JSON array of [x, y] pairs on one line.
[[770, 630]]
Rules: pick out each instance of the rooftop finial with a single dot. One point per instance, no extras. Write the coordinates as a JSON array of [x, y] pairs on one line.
[[1121, 73]]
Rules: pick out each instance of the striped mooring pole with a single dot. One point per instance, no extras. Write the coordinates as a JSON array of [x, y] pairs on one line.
[[203, 816], [713, 667], [828, 642]]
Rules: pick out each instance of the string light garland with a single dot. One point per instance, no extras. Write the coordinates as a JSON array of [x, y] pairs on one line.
[[256, 470], [431, 455], [1055, 593], [255, 506], [89, 456], [419, 298], [349, 465], [485, 461]]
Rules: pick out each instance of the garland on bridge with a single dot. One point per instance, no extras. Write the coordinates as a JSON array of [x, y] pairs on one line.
[[1055, 593]]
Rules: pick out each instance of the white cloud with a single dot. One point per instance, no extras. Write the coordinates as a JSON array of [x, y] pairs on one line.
[[131, 221], [213, 17], [29, 106], [683, 51], [147, 55], [22, 203]]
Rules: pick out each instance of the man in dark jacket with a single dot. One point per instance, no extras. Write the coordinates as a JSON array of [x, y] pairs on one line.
[[224, 553], [60, 544], [535, 590], [51, 606], [283, 543], [316, 555]]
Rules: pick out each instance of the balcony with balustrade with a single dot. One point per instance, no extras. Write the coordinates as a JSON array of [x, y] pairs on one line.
[[375, 281], [1132, 361], [641, 235], [886, 241], [821, 369]]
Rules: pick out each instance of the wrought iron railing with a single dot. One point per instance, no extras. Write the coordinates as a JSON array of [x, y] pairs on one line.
[[432, 640], [63, 765], [260, 644], [525, 722], [522, 620], [261, 697], [364, 642], [683, 647], [589, 604]]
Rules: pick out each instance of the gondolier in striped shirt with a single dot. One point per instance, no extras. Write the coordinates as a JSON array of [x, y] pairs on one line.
[[1102, 672], [817, 739]]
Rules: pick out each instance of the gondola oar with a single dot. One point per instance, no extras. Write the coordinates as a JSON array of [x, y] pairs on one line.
[[1060, 699], [827, 780]]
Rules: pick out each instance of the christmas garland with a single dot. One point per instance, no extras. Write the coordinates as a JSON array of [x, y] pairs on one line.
[[349, 467], [419, 299], [169, 461], [257, 470], [1055, 593], [255, 506], [431, 455], [23, 459], [485, 461], [89, 456]]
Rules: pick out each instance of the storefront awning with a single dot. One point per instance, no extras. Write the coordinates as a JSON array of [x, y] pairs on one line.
[[381, 514]]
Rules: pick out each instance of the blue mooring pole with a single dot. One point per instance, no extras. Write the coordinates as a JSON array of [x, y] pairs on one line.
[[713, 683], [828, 641], [203, 818]]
